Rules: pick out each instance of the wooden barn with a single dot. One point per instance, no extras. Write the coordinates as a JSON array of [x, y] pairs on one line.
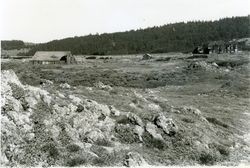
[[53, 57]]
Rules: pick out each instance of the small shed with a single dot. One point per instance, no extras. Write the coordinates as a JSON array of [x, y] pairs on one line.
[[53, 57]]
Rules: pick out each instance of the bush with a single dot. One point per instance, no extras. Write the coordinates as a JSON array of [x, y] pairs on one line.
[[91, 57], [223, 150], [216, 121], [208, 158], [126, 134], [151, 142], [76, 161], [188, 120], [51, 149], [163, 59], [73, 148], [17, 91]]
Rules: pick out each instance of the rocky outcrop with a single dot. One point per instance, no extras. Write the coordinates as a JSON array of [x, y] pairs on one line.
[[32, 117], [166, 124], [152, 130]]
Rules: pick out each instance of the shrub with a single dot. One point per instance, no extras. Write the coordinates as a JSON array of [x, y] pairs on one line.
[[91, 57], [216, 121], [151, 142], [17, 91], [73, 148], [76, 161], [126, 134], [188, 120], [208, 158], [223, 150], [51, 149]]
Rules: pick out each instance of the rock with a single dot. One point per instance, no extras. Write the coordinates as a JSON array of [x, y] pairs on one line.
[[60, 110], [146, 57], [45, 82], [30, 136], [134, 119], [64, 86], [12, 104], [152, 130], [80, 108], [200, 65], [190, 109], [97, 108], [72, 107], [75, 99], [139, 131], [215, 65], [10, 76], [94, 135], [60, 95], [166, 124], [134, 159], [55, 131], [3, 159], [100, 85], [195, 112], [114, 111], [89, 88], [154, 107], [35, 95]]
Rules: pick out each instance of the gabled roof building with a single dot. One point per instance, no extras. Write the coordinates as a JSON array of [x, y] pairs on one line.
[[53, 57]]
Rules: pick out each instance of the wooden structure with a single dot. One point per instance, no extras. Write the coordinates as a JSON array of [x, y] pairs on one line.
[[53, 57]]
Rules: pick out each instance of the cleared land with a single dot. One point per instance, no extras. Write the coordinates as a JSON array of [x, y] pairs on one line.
[[187, 110]]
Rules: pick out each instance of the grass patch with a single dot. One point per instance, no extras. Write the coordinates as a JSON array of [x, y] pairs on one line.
[[216, 122]]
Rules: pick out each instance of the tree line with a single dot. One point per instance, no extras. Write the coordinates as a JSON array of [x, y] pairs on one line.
[[177, 37]]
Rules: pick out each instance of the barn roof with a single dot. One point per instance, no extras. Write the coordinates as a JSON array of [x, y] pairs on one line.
[[50, 55]]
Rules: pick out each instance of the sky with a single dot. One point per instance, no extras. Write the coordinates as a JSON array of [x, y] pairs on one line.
[[45, 20]]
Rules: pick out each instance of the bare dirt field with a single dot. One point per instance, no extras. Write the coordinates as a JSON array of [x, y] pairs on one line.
[[169, 110]]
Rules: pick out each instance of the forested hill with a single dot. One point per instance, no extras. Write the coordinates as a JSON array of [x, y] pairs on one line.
[[12, 44], [181, 37]]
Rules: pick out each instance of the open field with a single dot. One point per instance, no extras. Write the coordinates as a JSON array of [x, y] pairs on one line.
[[169, 110]]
